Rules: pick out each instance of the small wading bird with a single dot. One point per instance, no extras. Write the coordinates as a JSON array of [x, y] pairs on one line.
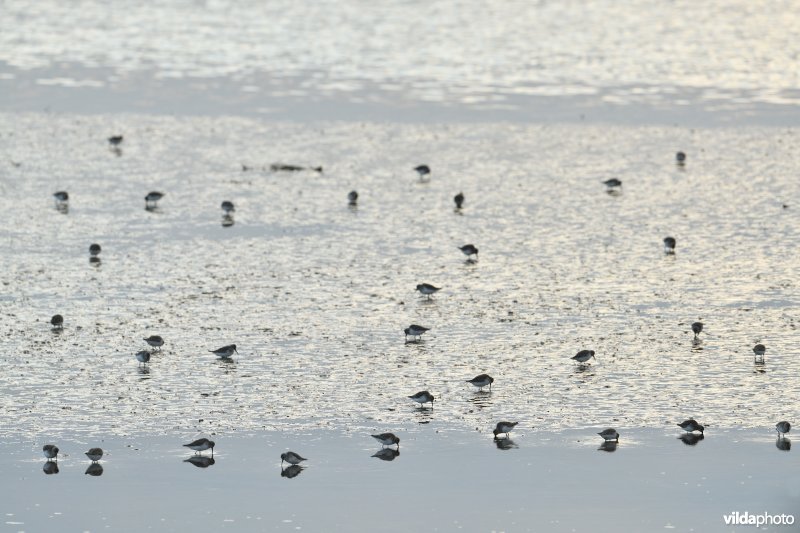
[[291, 458], [469, 250], [583, 356], [61, 197], [200, 445], [155, 341], [423, 397], [415, 331], [613, 183], [669, 245], [94, 250], [115, 140], [352, 198], [459, 200], [50, 451], [387, 439], [95, 454], [759, 350], [691, 425], [504, 428], [225, 352], [481, 381], [57, 322], [782, 427], [697, 327], [227, 207], [427, 289], [152, 198], [143, 357], [610, 434], [422, 170], [680, 158]]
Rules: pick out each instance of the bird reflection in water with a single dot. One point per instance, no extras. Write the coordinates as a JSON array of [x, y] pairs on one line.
[[783, 444], [200, 461], [608, 446], [95, 469], [387, 454], [50, 467], [143, 371], [481, 399], [227, 221], [291, 471], [697, 345], [505, 443], [95, 261], [690, 439]]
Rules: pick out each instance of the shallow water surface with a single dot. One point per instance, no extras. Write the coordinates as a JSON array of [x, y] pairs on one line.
[[316, 294]]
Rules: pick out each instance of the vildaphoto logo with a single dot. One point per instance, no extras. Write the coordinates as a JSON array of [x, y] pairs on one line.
[[764, 519]]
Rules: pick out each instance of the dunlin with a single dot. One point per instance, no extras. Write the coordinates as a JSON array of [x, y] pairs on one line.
[[292, 458], [423, 397], [200, 445], [152, 198], [155, 341], [115, 140], [613, 183], [50, 451], [281, 167], [680, 158], [61, 196], [227, 207], [427, 289], [504, 428], [481, 381], [143, 357], [94, 250], [423, 170], [415, 331], [387, 439], [95, 454], [697, 327], [782, 427], [57, 322], [352, 198], [610, 434], [469, 250], [225, 352], [669, 245], [459, 200], [583, 356], [691, 425]]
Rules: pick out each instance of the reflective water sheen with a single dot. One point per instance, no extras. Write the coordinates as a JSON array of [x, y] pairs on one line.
[[315, 294], [538, 59]]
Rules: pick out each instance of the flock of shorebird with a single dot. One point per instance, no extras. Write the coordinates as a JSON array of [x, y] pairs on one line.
[[694, 430]]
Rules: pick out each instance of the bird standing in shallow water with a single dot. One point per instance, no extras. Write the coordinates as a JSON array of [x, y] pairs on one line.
[[225, 352], [697, 327], [291, 458], [152, 199], [423, 171], [143, 357], [94, 250], [115, 140], [61, 197], [201, 445], [610, 434], [782, 427], [613, 183], [423, 397], [415, 331], [691, 425], [352, 198], [459, 200], [57, 322], [95, 454], [481, 381], [227, 207], [469, 250], [155, 341], [583, 356], [387, 439], [504, 428], [669, 245], [427, 289], [680, 158], [50, 451]]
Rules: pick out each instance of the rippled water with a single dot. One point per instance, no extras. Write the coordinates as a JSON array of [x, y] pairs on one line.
[[316, 294], [729, 60]]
